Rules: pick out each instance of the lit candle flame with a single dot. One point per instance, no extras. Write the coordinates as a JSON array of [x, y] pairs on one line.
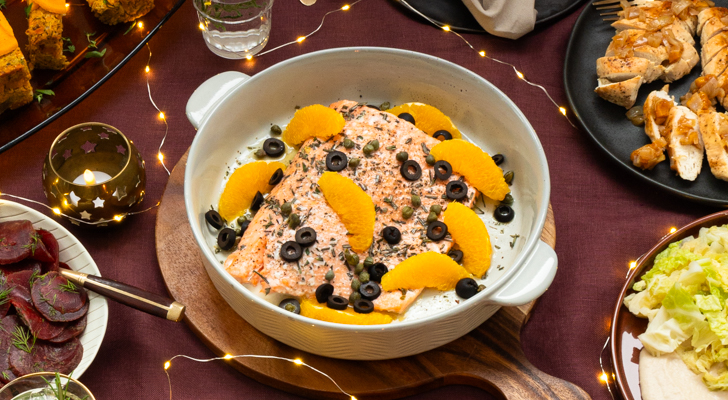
[[89, 177]]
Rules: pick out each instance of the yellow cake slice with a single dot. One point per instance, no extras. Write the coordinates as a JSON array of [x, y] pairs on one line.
[[45, 42], [15, 89]]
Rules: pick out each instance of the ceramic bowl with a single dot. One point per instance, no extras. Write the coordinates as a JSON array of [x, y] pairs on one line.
[[233, 111], [77, 258]]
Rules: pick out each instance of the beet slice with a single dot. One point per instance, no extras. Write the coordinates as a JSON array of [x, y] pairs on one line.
[[7, 327], [39, 326], [51, 245], [38, 250], [72, 329], [27, 264], [46, 356], [57, 299], [5, 289], [15, 241]]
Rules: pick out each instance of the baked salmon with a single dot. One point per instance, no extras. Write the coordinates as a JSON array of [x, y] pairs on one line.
[[257, 259]]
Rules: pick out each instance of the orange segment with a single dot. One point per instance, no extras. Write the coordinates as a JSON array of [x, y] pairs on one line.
[[313, 121], [428, 269], [427, 118], [8, 42], [54, 6], [353, 205], [475, 164], [320, 312], [242, 186], [469, 233]]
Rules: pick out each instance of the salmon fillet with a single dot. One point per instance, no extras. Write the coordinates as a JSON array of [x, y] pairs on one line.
[[257, 260]]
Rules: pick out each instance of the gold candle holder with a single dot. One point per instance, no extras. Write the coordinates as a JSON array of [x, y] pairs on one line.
[[94, 173]]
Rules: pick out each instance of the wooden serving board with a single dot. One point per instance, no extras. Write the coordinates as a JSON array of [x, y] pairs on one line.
[[489, 357]]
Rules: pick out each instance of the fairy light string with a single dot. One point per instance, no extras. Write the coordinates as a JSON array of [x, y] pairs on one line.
[[295, 361]]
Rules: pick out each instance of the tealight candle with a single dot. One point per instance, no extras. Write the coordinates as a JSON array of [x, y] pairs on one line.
[[94, 173]]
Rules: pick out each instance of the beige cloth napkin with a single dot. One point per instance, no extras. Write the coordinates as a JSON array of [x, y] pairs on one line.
[[505, 18]]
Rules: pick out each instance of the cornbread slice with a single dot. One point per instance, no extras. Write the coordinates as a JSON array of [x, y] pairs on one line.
[[15, 89], [45, 43], [112, 12]]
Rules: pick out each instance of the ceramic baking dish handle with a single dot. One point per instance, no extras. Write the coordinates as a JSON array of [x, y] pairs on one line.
[[207, 95], [532, 280]]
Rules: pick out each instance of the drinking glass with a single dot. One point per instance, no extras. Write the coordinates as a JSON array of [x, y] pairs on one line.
[[234, 29], [43, 386]]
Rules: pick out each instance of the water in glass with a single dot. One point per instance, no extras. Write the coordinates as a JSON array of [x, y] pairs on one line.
[[233, 28]]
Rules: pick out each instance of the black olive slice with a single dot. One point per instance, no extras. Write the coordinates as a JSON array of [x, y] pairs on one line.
[[498, 159], [436, 231], [504, 213], [377, 271], [456, 255], [410, 170], [274, 147], [226, 239], [243, 227], [257, 202], [323, 292], [214, 219], [443, 170], [291, 305], [291, 251], [306, 236], [337, 302], [370, 290], [456, 190], [336, 161], [276, 178], [442, 135], [363, 306], [466, 288], [407, 117], [391, 234]]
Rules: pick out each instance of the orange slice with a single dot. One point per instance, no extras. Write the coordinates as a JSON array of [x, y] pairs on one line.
[[313, 121], [349, 316], [427, 118], [54, 6], [8, 42], [476, 165], [469, 233], [428, 269], [353, 205], [242, 186]]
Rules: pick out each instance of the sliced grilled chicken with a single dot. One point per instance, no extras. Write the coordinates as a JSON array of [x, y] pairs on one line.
[[708, 14], [656, 110], [633, 43], [714, 131], [713, 27], [718, 64], [688, 59], [684, 144], [713, 46], [651, 16], [620, 93], [681, 33], [620, 69]]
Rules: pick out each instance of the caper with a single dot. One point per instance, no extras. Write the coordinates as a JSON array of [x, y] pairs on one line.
[[375, 144], [364, 277], [293, 221], [355, 284], [508, 200], [260, 153], [348, 143], [276, 130], [368, 262], [329, 275], [402, 156], [436, 208], [286, 208], [480, 288], [353, 163], [351, 258], [508, 176], [432, 217], [407, 212], [358, 268], [385, 106], [368, 149], [354, 296], [430, 159], [415, 200], [241, 220]]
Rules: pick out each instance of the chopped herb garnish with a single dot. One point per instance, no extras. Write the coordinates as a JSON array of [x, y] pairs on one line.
[[32, 245], [515, 237], [95, 54], [22, 339], [2, 4], [4, 295], [130, 27], [70, 48], [68, 287], [91, 42], [39, 93], [27, 9]]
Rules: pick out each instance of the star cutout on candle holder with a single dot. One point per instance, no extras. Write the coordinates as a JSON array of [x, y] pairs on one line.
[[98, 203], [62, 139], [86, 128], [89, 147], [131, 201], [55, 153], [67, 154], [120, 193], [85, 215], [120, 149], [74, 199], [104, 135]]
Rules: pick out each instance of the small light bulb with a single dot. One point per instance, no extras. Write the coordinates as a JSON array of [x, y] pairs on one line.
[[140, 25], [119, 218], [520, 75], [353, 398], [632, 264], [228, 356], [167, 365], [67, 5], [482, 53], [202, 27], [65, 203], [161, 115], [446, 28], [160, 156], [346, 7], [563, 110], [57, 211], [298, 361], [604, 378], [301, 39], [249, 57], [146, 69], [673, 230]]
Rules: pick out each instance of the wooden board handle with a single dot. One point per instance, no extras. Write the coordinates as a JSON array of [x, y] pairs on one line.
[[131, 296]]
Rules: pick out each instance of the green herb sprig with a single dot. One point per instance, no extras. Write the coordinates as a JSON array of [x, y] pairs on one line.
[[38, 94], [35, 237], [2, 4], [4, 295], [70, 48], [95, 54], [27, 9], [23, 340], [68, 287]]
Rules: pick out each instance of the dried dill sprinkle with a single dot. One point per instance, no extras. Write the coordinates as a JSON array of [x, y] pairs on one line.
[[513, 243], [408, 141], [425, 149]]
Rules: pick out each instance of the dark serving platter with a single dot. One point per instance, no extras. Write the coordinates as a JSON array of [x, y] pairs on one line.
[[83, 75], [455, 14], [607, 124]]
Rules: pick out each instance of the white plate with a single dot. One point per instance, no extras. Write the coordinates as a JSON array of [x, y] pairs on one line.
[[75, 255]]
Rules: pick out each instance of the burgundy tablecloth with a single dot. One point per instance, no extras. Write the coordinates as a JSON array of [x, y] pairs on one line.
[[604, 217]]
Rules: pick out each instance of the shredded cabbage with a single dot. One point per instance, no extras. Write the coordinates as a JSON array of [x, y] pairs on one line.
[[685, 297]]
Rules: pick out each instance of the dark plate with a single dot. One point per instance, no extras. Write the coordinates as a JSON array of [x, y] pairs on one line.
[[606, 123], [83, 75], [455, 14], [625, 347]]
